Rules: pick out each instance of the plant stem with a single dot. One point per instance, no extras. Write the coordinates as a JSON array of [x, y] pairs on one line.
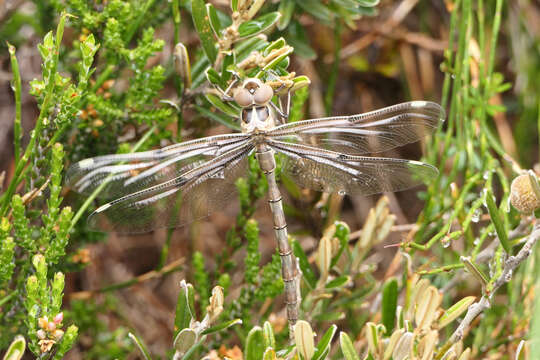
[[17, 130]]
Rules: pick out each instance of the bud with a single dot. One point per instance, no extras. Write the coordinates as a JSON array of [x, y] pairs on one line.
[[59, 318], [57, 334], [525, 193], [43, 322], [41, 334], [51, 326]]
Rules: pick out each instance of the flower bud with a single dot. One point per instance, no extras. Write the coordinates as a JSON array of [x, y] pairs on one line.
[[51, 326], [43, 322], [57, 334], [59, 318], [41, 334], [525, 193]]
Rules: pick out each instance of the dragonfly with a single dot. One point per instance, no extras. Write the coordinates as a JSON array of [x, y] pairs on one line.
[[178, 184]]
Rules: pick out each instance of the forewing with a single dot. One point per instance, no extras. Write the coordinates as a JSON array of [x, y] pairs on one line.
[[371, 132], [176, 202], [123, 174], [329, 171]]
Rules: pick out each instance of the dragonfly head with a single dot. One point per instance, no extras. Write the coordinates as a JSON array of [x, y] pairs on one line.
[[253, 92], [254, 97]]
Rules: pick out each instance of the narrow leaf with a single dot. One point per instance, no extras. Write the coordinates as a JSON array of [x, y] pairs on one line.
[[200, 19], [225, 107], [258, 25], [268, 332], [389, 304], [338, 282], [497, 221], [323, 347], [255, 344], [140, 345], [455, 311], [303, 262], [184, 306], [347, 347], [213, 18], [222, 326], [16, 349]]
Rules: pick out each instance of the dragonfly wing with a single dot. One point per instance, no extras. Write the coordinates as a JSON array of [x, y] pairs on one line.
[[123, 174], [371, 132], [178, 201], [329, 171]]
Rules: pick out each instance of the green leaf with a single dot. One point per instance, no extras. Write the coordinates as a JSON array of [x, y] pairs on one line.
[[297, 38], [16, 349], [200, 19], [368, 3], [227, 108], [244, 48], [254, 344], [455, 311], [497, 221], [347, 347], [329, 316], [213, 18], [268, 332], [303, 262], [185, 340], [234, 5], [274, 45], [277, 60], [323, 347], [286, 9], [389, 304], [269, 354], [258, 25], [338, 282], [222, 326], [214, 77], [184, 306], [317, 9], [342, 233], [140, 345], [222, 119]]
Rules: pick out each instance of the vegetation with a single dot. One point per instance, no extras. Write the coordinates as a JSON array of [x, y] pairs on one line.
[[448, 271]]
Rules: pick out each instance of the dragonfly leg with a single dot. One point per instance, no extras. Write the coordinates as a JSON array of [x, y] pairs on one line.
[[225, 94], [289, 269]]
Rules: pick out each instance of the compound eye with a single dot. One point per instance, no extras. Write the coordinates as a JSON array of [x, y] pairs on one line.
[[243, 97], [263, 94]]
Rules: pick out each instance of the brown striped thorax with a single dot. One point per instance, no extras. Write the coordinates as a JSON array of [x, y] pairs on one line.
[[254, 97]]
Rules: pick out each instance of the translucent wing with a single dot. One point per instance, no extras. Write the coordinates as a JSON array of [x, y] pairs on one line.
[[328, 171], [371, 132], [178, 201], [123, 174]]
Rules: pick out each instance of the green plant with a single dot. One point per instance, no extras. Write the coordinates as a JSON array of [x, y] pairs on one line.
[[108, 85]]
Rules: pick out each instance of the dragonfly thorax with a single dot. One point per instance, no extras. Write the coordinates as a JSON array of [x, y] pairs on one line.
[[257, 118]]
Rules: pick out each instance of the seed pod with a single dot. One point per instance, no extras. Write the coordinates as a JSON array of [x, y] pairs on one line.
[[525, 193]]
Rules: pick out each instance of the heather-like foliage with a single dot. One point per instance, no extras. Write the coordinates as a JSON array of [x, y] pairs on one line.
[[460, 282]]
